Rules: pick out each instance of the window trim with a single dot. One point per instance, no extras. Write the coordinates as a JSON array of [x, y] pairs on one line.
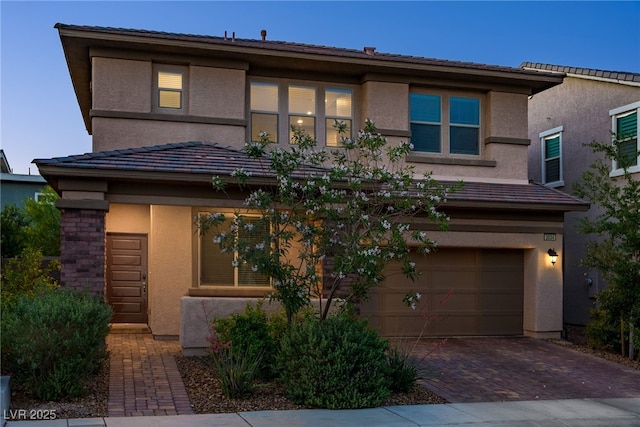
[[198, 267], [544, 137], [615, 113], [320, 115], [445, 122], [175, 69]]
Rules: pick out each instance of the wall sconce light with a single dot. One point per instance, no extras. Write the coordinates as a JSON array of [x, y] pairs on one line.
[[553, 255]]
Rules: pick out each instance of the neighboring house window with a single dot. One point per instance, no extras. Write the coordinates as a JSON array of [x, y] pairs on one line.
[[217, 267], [170, 83], [624, 123], [551, 146], [444, 124], [337, 106], [313, 108], [264, 110]]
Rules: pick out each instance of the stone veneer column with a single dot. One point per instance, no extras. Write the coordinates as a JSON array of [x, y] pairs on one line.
[[83, 249]]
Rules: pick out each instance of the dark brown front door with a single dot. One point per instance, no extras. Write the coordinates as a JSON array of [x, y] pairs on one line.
[[127, 277]]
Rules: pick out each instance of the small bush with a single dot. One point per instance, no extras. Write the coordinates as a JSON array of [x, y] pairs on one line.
[[252, 335], [402, 371], [603, 332], [55, 341], [338, 363], [235, 368], [23, 276]]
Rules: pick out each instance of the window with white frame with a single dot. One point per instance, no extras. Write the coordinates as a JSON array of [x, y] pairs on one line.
[[170, 83], [311, 107], [624, 125], [444, 124], [551, 147], [223, 269]]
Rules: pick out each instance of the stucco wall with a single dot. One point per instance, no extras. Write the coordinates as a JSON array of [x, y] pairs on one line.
[[169, 266], [216, 92], [114, 134], [128, 219], [387, 104], [121, 85]]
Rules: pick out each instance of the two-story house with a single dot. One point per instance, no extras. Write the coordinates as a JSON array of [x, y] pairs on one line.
[[169, 111], [590, 105]]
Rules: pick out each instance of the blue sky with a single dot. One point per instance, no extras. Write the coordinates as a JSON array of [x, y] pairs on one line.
[[40, 118]]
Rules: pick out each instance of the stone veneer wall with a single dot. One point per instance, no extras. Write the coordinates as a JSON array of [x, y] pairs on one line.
[[82, 250]]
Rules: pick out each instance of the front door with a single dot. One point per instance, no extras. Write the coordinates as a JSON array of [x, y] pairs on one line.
[[127, 277]]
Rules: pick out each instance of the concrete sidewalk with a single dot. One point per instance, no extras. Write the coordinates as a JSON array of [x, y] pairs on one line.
[[548, 413]]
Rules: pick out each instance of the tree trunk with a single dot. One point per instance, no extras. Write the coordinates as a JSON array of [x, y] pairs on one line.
[[622, 336], [632, 350]]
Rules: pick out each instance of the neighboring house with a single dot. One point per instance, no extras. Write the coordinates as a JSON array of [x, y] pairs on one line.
[[590, 105], [169, 111], [15, 188]]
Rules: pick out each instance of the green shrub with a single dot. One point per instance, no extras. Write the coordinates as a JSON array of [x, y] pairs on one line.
[[235, 370], [402, 370], [603, 332], [337, 363], [24, 276], [253, 335], [55, 341]]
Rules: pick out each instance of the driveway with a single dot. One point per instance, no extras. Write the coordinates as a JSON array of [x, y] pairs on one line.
[[508, 369]]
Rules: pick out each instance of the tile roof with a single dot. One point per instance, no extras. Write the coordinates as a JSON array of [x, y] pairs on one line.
[[194, 158], [621, 76], [199, 161]]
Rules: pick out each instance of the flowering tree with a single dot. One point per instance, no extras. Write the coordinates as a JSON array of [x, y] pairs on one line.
[[350, 208]]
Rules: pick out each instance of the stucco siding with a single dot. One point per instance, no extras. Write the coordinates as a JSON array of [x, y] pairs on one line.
[[116, 134], [121, 85], [169, 266], [216, 92]]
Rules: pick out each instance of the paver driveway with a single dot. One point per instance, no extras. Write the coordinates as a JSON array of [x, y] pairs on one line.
[[502, 369]]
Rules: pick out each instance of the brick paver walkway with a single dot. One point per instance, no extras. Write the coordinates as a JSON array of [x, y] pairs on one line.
[[144, 377], [502, 369]]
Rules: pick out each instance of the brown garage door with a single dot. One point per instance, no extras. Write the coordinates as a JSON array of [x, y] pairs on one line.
[[464, 292]]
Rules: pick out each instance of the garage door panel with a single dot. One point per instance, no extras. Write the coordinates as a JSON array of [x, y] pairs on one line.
[[501, 303], [482, 291], [453, 280]]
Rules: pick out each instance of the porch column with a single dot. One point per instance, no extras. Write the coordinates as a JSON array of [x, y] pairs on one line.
[[82, 245]]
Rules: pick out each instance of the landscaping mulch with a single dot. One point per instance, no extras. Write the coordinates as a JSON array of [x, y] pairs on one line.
[[93, 404], [207, 397]]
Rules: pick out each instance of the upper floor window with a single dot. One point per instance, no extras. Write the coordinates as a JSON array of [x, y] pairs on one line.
[[337, 106], [551, 146], [302, 110], [444, 124], [170, 84], [223, 269], [624, 123], [313, 108], [264, 110]]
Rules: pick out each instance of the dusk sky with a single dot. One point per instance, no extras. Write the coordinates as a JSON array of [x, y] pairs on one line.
[[40, 117]]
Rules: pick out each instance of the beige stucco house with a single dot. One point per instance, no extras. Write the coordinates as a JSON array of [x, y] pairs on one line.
[[590, 105], [169, 111]]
